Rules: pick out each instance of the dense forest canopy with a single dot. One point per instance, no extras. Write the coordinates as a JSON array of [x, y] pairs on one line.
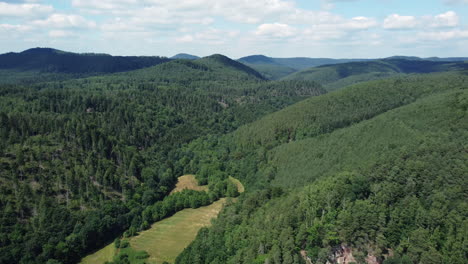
[[84, 160], [328, 71], [384, 167], [52, 60], [377, 168]]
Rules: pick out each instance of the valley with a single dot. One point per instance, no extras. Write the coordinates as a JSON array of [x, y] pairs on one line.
[[283, 160], [166, 239]]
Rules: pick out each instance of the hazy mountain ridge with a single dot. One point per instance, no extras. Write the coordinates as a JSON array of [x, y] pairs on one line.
[[277, 68], [336, 76], [57, 61], [185, 56], [374, 167]]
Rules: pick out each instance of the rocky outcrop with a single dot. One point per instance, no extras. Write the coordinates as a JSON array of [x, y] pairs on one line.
[[344, 255], [305, 257], [341, 255], [370, 259]]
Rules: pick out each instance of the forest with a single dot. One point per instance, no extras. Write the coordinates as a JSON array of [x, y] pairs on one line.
[[84, 160], [392, 184], [90, 153]]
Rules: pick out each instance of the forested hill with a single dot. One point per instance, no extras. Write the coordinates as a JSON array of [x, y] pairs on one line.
[[298, 68], [214, 68], [57, 61], [375, 173], [185, 56], [298, 63], [276, 68], [376, 169], [84, 161], [336, 76]]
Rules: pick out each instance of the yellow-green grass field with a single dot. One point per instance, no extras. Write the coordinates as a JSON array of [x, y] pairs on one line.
[[188, 182], [240, 187], [166, 239], [101, 256]]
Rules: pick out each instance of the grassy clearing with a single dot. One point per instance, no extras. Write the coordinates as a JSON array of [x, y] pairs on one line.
[[166, 239], [101, 256], [240, 186], [188, 182]]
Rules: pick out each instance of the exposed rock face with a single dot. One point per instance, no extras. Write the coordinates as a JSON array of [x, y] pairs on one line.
[[370, 259], [341, 255], [344, 255], [305, 257]]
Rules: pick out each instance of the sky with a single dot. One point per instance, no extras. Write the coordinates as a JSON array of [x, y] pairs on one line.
[[237, 28]]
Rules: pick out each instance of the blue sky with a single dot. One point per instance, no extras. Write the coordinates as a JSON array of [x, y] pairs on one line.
[[236, 28]]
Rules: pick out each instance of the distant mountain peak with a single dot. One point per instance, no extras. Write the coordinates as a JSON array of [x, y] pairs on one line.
[[39, 50], [185, 56], [217, 56], [54, 60], [257, 59], [403, 58], [226, 61]]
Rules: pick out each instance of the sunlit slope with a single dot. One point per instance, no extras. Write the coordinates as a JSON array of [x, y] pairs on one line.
[[166, 239], [439, 120], [276, 68], [326, 113], [392, 181], [337, 76]]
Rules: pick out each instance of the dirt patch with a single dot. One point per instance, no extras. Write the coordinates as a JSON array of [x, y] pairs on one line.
[[188, 182]]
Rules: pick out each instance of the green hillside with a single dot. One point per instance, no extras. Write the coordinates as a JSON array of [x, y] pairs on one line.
[[342, 108], [84, 161], [384, 170], [276, 68], [51, 64], [272, 71], [371, 170], [334, 77]]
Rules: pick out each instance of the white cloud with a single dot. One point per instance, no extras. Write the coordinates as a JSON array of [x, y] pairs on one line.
[[211, 36], [396, 21], [185, 39], [274, 18], [444, 35], [321, 34], [14, 28], [326, 19], [24, 10], [120, 25], [103, 4], [300, 16], [65, 21], [9, 33], [20, 1], [242, 11], [276, 30], [60, 33], [448, 19], [456, 2], [359, 23]]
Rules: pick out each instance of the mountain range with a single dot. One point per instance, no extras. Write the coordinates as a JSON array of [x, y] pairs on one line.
[[363, 160]]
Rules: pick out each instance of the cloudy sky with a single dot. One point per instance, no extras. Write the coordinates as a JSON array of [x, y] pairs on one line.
[[236, 28]]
